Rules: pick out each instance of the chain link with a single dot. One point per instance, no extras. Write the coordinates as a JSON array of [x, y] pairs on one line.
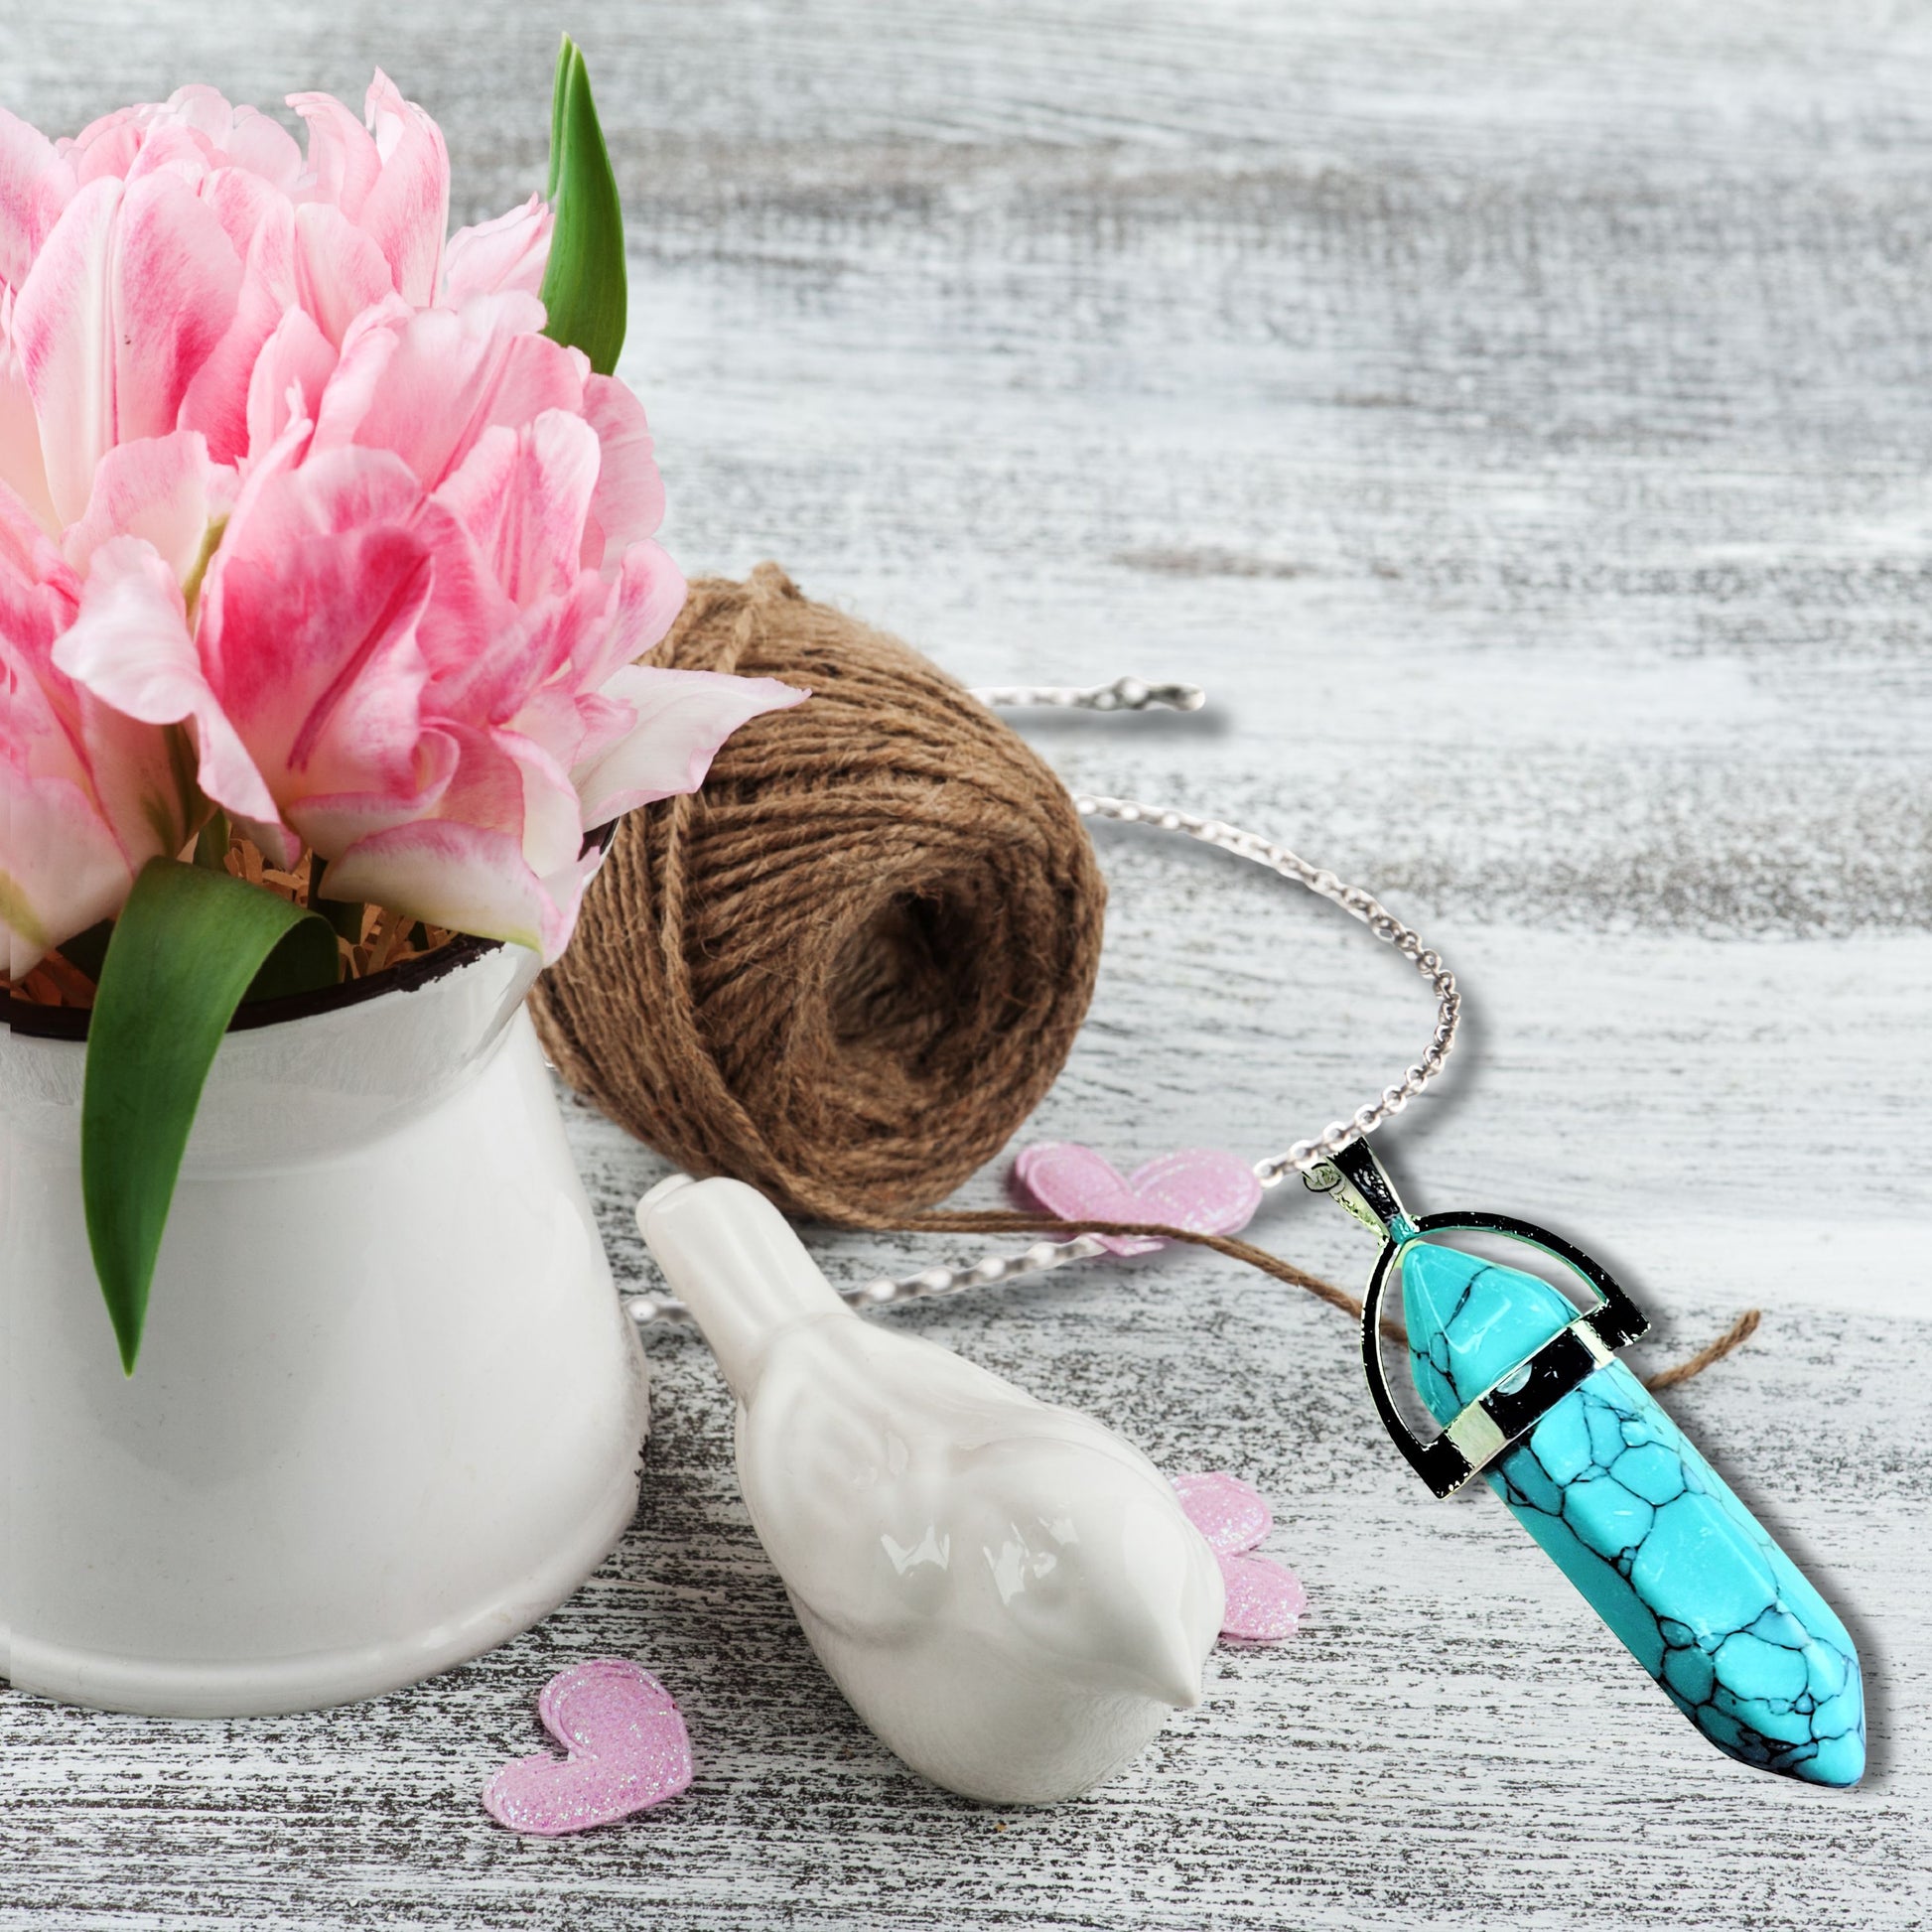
[[1358, 904], [929, 1283], [1123, 694]]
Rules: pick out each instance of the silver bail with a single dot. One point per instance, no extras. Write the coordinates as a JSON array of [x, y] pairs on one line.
[[1357, 1183]]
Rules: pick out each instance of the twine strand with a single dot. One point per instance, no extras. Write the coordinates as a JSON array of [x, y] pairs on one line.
[[1736, 1336], [1012, 1221]]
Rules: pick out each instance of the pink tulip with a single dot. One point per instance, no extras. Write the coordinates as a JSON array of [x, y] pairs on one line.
[[414, 645], [301, 516]]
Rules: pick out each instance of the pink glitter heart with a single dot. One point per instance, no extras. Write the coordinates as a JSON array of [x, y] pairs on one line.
[[1199, 1188], [1227, 1511], [1265, 1600], [628, 1750]]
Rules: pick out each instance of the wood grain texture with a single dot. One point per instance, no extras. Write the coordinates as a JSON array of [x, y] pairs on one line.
[[1517, 416]]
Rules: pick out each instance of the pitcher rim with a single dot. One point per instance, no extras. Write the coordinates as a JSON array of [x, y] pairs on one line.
[[35, 1021]]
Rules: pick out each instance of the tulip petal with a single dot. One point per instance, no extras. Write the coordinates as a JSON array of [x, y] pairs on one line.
[[446, 377], [408, 208], [175, 286], [650, 593], [340, 272], [476, 639], [107, 146], [368, 345], [38, 592], [130, 646], [291, 371], [522, 496], [162, 488], [133, 290], [552, 818], [466, 877], [217, 399], [171, 148], [198, 107], [244, 203], [509, 783], [260, 144], [681, 719], [137, 780], [22, 468], [630, 501], [65, 333], [574, 728], [308, 625], [36, 184], [509, 252], [143, 780], [510, 830], [308, 629], [343, 164], [332, 822], [62, 870]]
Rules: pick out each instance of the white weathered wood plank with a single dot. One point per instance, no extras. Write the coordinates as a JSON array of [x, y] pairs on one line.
[[1517, 418]]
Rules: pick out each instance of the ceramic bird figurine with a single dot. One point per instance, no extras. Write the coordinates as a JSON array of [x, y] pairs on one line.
[[1007, 1593]]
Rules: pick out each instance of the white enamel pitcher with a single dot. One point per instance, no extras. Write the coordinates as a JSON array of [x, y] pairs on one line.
[[389, 1411]]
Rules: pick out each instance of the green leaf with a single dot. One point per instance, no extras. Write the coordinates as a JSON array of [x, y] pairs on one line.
[[302, 962], [189, 943], [212, 842], [584, 293]]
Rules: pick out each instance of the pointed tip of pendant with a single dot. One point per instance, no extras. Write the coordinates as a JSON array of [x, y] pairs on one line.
[[1833, 1758], [1838, 1764], [1839, 1759]]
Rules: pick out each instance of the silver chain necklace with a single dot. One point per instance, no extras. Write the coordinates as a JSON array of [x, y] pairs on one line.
[[1303, 1156]]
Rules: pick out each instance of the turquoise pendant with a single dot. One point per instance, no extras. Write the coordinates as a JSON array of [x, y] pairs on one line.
[[1527, 1392]]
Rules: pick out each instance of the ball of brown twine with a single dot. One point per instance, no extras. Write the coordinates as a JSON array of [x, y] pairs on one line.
[[849, 967]]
